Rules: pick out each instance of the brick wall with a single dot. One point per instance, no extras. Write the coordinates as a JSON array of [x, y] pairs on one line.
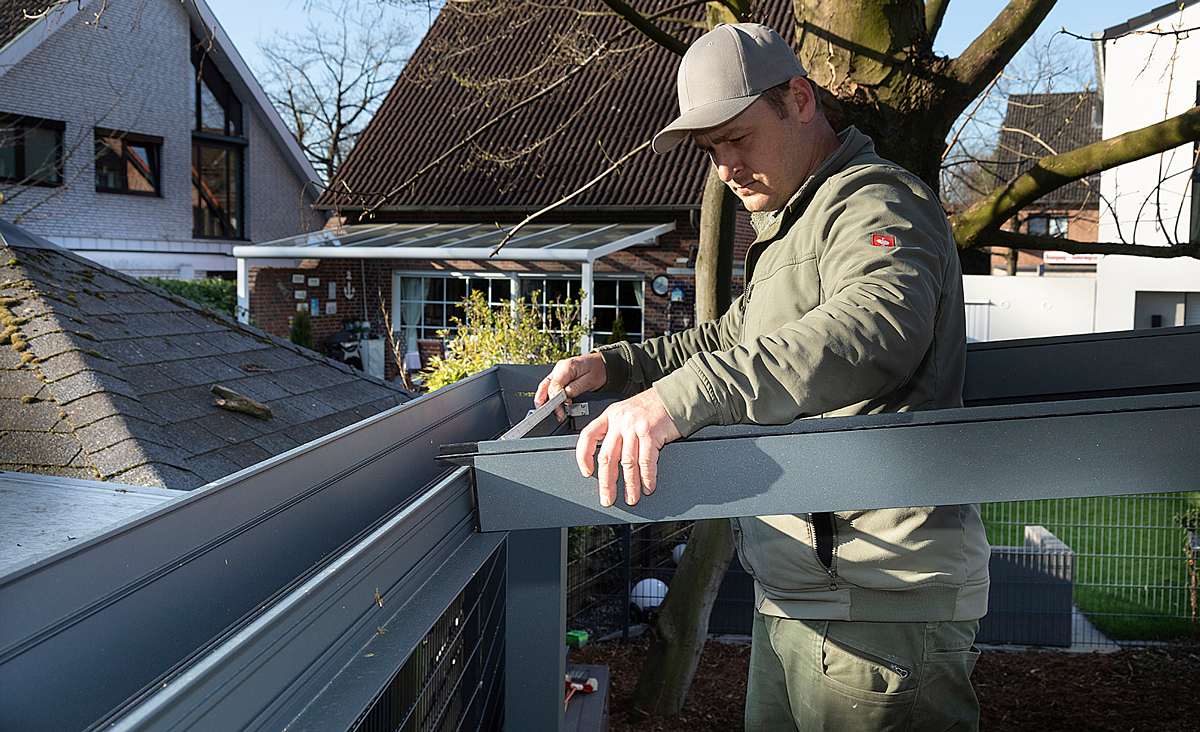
[[1082, 225], [133, 72]]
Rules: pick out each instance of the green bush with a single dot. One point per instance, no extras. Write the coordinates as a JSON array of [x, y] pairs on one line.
[[213, 293], [301, 333], [515, 332]]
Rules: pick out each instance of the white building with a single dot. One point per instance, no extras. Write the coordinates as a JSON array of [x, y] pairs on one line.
[[135, 134], [1147, 77]]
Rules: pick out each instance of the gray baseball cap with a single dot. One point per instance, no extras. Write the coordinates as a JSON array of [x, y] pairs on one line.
[[722, 73]]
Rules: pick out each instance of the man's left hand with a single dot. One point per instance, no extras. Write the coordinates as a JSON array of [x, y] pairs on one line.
[[631, 433]]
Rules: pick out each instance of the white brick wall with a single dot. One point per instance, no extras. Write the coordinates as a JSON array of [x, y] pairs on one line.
[[133, 72]]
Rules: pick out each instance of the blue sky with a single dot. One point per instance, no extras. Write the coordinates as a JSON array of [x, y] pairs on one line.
[[252, 23]]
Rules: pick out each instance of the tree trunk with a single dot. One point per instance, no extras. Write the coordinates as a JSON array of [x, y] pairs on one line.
[[682, 624]]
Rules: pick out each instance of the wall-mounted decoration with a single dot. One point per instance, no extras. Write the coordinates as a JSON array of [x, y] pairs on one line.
[[349, 290], [300, 294], [297, 279], [314, 281], [314, 307], [332, 290], [330, 307], [301, 307]]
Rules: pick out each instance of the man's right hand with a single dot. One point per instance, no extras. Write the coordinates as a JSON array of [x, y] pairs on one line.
[[576, 375]]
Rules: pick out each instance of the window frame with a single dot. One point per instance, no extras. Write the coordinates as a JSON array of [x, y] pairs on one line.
[[574, 282], [26, 122], [154, 147], [199, 141], [1048, 217]]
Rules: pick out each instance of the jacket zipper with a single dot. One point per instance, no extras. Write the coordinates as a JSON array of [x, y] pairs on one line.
[[822, 524]]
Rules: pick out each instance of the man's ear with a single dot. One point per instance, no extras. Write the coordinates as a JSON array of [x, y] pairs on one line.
[[804, 96]]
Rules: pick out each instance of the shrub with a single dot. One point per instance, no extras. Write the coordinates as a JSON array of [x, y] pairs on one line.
[[301, 333], [514, 332], [213, 293]]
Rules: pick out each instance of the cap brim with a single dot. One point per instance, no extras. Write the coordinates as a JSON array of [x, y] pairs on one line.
[[713, 114]]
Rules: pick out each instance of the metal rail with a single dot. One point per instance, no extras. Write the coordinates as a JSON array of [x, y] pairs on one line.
[[1099, 447]]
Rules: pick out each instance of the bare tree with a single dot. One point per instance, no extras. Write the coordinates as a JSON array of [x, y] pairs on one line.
[[330, 79]]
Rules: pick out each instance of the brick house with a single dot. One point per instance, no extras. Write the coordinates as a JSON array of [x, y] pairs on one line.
[[135, 135], [518, 164], [1037, 125]]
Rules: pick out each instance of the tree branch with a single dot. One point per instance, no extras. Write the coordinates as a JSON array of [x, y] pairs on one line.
[[567, 198], [935, 10], [994, 48], [1054, 171], [1033, 242], [648, 28]]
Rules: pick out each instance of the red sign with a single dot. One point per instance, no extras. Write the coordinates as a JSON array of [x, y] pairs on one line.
[[883, 240]]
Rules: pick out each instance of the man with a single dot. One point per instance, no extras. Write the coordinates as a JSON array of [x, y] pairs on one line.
[[853, 305]]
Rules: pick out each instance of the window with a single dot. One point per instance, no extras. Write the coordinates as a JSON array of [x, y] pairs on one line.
[[425, 304], [31, 150], [217, 190], [1047, 226], [216, 108], [127, 163], [218, 153]]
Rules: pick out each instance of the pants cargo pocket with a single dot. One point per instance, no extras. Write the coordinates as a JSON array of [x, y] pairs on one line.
[[862, 685]]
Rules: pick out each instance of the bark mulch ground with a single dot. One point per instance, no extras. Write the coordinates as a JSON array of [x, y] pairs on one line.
[[1144, 689]]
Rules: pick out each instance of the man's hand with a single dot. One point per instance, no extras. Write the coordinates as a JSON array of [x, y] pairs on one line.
[[632, 431], [576, 375]]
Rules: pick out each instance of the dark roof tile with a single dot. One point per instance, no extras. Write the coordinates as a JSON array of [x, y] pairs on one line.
[[39, 448], [276, 443], [619, 101], [122, 380], [159, 475], [213, 466], [18, 382], [245, 454], [1037, 125], [32, 416], [87, 383], [149, 378]]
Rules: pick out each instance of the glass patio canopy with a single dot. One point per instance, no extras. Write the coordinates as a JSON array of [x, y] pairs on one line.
[[582, 243]]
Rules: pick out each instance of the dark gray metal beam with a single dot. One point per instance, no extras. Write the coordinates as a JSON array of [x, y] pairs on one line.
[[1111, 446], [1083, 366], [83, 631], [301, 664]]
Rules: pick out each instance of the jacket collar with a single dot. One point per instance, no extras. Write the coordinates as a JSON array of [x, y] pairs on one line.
[[853, 143]]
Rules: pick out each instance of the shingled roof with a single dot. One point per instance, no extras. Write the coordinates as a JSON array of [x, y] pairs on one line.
[[480, 59], [105, 377], [1037, 125]]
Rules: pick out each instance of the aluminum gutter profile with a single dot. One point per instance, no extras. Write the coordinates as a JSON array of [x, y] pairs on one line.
[[84, 630], [1075, 446], [317, 657]]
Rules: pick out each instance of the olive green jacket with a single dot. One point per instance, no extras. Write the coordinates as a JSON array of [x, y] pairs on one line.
[[853, 305]]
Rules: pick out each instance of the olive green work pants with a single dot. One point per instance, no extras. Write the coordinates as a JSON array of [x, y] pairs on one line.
[[837, 675]]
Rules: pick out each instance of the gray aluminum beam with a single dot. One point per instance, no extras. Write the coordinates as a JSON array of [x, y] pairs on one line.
[[276, 671], [1090, 447], [84, 630], [1090, 365]]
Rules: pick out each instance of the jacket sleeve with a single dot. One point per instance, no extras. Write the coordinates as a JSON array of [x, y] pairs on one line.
[[633, 367], [866, 338]]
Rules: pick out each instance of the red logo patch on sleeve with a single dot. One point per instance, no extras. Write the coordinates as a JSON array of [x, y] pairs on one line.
[[883, 240]]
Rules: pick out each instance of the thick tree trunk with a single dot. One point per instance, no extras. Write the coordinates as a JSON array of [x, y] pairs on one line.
[[682, 626]]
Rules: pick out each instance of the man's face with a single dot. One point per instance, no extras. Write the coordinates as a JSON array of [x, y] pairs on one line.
[[762, 157]]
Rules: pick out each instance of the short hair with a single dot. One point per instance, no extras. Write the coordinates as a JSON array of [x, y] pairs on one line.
[[776, 96]]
